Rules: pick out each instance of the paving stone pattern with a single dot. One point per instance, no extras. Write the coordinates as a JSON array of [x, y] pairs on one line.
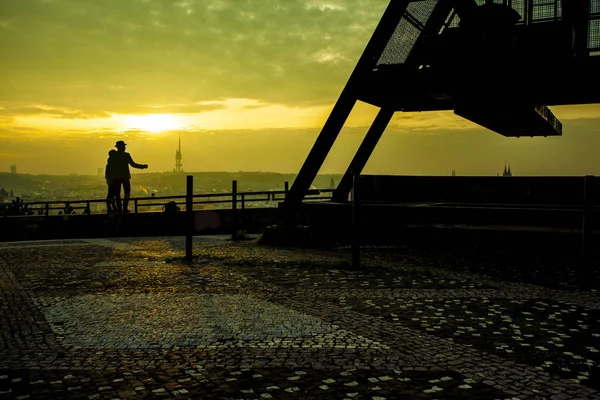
[[128, 318], [551, 336], [534, 262]]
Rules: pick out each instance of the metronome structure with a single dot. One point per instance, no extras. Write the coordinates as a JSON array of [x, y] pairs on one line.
[[499, 64]]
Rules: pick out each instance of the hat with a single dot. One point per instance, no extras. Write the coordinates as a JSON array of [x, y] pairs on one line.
[[120, 143]]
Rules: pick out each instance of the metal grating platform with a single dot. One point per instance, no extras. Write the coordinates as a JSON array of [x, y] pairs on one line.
[[407, 32]]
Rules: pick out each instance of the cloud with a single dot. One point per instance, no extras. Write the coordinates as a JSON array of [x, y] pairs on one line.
[[16, 155], [87, 59], [49, 111], [326, 5], [191, 108], [118, 55]]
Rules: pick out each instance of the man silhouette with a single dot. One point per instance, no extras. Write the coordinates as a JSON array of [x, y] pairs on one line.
[[119, 174]]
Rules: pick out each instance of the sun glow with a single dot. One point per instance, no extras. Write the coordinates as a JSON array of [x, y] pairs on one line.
[[154, 123]]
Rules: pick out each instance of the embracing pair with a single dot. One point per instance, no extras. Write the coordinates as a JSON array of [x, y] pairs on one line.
[[117, 174]]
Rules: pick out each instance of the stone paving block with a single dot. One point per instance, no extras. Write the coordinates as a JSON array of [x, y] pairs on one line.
[[127, 318]]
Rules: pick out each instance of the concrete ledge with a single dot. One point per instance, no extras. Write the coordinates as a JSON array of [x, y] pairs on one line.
[[252, 220]]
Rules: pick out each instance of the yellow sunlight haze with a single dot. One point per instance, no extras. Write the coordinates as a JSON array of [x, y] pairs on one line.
[[154, 123]]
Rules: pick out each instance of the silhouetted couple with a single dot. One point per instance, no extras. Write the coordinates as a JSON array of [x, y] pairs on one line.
[[117, 174]]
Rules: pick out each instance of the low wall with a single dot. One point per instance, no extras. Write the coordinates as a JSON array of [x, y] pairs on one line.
[[555, 190], [252, 220]]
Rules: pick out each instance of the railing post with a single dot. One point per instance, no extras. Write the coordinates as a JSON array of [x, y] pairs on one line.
[[135, 206], [355, 222], [233, 209], [89, 208], [286, 188], [189, 210], [586, 229], [242, 212], [47, 209]]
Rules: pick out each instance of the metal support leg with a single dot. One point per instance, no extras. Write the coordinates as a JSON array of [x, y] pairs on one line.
[[189, 210], [363, 153], [586, 230], [356, 230], [321, 148], [345, 103], [234, 216]]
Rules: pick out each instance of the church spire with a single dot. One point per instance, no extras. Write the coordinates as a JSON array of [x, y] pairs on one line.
[[506, 170]]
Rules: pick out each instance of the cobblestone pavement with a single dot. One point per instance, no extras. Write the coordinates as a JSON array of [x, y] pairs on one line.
[[128, 318]]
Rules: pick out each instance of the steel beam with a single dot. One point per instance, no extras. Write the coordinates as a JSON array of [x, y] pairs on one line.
[[363, 153], [345, 103], [433, 25]]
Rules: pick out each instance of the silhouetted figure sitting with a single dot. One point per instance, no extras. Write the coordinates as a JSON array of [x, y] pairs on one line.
[[171, 207], [69, 209], [18, 207]]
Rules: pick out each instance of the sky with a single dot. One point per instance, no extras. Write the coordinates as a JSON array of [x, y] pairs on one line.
[[247, 84]]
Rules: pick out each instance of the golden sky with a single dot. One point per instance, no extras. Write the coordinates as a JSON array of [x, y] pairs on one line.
[[247, 83]]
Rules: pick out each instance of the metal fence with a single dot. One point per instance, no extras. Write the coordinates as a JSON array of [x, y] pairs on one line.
[[201, 201]]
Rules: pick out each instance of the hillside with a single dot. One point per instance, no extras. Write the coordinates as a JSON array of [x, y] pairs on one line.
[[40, 187]]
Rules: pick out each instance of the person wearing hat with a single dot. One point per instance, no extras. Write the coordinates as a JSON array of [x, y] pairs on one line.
[[118, 175]]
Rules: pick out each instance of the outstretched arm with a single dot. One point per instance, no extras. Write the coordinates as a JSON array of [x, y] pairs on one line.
[[136, 165]]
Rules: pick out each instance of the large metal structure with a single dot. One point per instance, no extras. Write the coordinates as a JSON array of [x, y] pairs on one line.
[[425, 55]]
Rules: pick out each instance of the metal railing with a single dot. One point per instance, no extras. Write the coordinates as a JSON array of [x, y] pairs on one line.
[[157, 203]]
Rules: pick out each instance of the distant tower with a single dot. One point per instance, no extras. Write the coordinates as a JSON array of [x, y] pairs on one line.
[[13, 169], [332, 183], [453, 173], [507, 171], [100, 171], [178, 157]]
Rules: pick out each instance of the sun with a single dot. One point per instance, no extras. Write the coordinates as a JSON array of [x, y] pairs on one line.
[[154, 123]]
